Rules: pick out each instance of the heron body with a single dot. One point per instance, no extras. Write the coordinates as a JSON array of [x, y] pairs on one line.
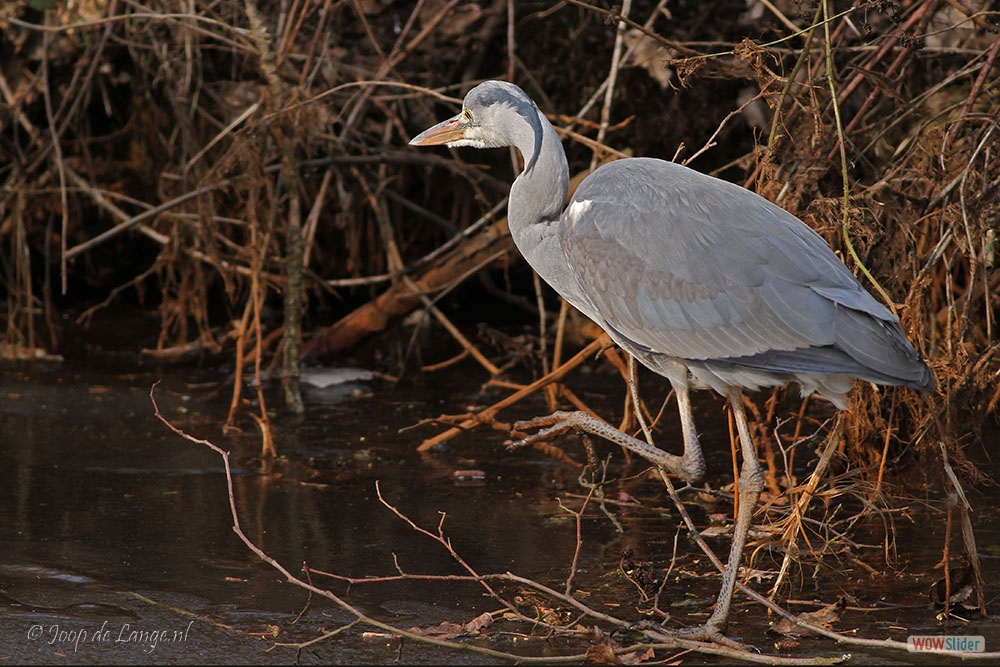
[[702, 281], [683, 269]]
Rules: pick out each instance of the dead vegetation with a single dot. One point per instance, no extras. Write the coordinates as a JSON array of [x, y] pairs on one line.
[[225, 161]]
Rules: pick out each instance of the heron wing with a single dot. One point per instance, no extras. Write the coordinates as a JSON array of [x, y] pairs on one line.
[[692, 267]]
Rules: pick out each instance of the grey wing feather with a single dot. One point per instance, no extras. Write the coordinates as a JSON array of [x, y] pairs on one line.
[[691, 267]]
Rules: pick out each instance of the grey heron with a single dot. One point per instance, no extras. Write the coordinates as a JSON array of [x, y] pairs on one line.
[[701, 280]]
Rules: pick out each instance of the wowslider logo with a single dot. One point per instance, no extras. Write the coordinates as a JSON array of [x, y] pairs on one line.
[[946, 643]]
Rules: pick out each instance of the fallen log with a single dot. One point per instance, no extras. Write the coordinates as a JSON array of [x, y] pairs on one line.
[[404, 296]]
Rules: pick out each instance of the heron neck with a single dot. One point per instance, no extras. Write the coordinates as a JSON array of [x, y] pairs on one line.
[[539, 193], [534, 212]]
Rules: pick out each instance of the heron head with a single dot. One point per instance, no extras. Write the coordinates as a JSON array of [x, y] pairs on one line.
[[492, 114]]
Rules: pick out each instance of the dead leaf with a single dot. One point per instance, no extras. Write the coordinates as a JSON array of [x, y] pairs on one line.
[[445, 630], [602, 650], [372, 7], [449, 630], [601, 654], [651, 56], [787, 644], [962, 585], [82, 11], [639, 657], [484, 620], [821, 618]]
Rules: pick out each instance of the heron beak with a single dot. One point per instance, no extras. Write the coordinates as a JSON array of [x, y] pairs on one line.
[[444, 132]]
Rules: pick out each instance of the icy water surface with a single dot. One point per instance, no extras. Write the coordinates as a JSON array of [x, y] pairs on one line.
[[116, 543]]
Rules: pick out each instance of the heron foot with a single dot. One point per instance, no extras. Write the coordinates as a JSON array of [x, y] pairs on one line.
[[690, 469], [709, 632]]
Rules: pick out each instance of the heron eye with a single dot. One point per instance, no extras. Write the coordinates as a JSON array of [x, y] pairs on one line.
[[466, 115]]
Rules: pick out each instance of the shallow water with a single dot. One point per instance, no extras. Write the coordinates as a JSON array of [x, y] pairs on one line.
[[116, 542]]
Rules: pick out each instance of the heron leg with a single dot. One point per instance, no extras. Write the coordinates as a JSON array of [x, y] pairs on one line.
[[750, 486], [560, 422], [690, 467], [693, 461]]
